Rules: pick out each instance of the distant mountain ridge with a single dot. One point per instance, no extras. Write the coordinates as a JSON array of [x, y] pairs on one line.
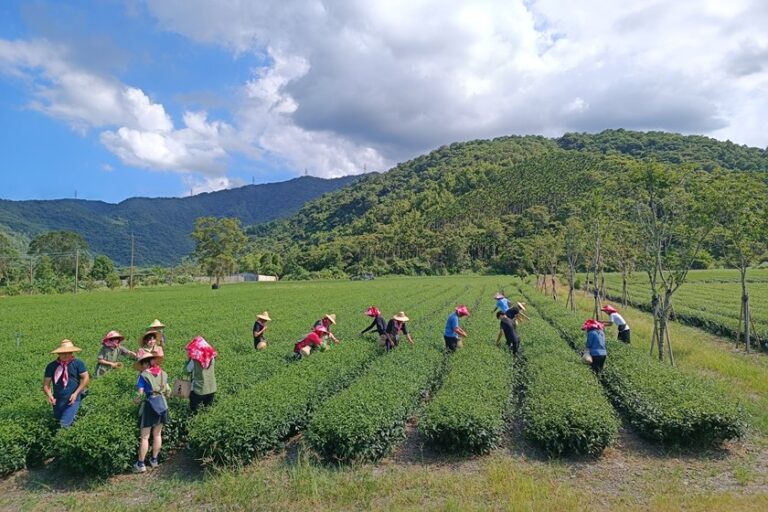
[[161, 225]]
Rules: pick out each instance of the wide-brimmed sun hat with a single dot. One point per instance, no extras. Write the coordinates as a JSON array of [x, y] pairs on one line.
[[156, 324], [264, 316], [521, 306], [499, 296], [331, 317], [143, 355], [609, 309], [113, 335], [400, 317], [66, 347], [373, 311], [462, 310], [149, 333]]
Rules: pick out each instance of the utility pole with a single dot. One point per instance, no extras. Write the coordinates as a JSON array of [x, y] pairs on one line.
[[130, 279], [77, 266]]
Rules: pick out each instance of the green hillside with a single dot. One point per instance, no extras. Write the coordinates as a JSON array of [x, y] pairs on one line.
[[161, 225], [475, 205]]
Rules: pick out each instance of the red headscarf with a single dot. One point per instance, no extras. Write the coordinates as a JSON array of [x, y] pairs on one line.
[[373, 311], [201, 351]]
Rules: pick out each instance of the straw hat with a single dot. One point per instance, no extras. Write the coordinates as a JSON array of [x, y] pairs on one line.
[[521, 306], [499, 296], [400, 317], [331, 317], [144, 336], [142, 355], [261, 345], [157, 324], [66, 347], [113, 335], [264, 316]]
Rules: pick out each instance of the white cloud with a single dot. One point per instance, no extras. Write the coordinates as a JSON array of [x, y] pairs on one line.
[[401, 77]]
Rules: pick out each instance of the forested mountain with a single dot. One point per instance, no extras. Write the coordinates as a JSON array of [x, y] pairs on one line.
[[480, 205], [161, 225]]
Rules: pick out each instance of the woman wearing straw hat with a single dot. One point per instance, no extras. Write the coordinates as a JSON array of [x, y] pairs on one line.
[[617, 319], [327, 321], [452, 329], [200, 370], [110, 353], [152, 387], [595, 344], [259, 327], [151, 340], [64, 382], [158, 327], [314, 339], [395, 327], [378, 323]]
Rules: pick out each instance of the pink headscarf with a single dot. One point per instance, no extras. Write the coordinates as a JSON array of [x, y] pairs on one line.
[[201, 351]]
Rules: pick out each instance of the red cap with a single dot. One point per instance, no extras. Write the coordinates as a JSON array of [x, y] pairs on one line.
[[373, 311], [609, 309], [462, 310], [591, 324]]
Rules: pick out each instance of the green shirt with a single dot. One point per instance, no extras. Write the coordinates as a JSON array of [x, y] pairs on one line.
[[203, 379], [111, 355]]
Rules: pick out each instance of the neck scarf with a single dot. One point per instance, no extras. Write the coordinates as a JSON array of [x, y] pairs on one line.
[[62, 372], [154, 370]]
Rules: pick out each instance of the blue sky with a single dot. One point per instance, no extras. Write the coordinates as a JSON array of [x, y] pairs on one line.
[[119, 98]]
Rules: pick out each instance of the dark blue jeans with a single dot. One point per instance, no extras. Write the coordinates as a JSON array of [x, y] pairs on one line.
[[64, 412]]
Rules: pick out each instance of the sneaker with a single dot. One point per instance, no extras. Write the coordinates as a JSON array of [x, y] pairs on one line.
[[139, 467], [153, 462]]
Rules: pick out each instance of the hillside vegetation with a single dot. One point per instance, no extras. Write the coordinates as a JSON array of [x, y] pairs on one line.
[[161, 225], [481, 205]]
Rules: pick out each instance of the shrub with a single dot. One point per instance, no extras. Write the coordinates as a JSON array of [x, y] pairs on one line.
[[565, 410], [468, 413], [663, 403]]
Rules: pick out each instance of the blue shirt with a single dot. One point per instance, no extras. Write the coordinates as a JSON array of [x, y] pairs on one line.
[[75, 368], [451, 325], [596, 343], [503, 304]]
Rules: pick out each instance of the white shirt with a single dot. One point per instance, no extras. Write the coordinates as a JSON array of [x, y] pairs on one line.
[[618, 320]]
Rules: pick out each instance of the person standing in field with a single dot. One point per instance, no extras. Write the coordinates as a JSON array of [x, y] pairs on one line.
[[452, 329], [395, 327], [313, 339], [378, 323], [200, 370], [617, 319], [259, 328], [327, 321], [151, 389], [158, 327], [502, 303], [64, 381], [595, 344], [151, 340], [508, 328], [110, 353]]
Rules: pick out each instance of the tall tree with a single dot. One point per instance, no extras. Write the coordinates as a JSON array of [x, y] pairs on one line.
[[9, 259], [743, 231], [675, 211], [218, 245], [574, 242], [102, 267], [64, 248]]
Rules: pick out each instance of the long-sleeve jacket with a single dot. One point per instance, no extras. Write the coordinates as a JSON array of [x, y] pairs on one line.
[[378, 323]]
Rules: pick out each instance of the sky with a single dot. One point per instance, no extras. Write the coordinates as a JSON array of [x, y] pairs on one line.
[[109, 99]]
